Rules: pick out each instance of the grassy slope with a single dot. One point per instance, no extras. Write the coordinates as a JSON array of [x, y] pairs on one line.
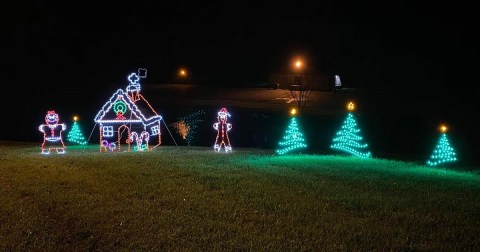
[[197, 199]]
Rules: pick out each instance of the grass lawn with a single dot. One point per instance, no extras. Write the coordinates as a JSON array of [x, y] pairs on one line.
[[196, 199]]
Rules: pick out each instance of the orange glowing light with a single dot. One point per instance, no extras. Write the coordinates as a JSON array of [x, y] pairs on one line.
[[351, 106], [293, 111], [182, 128], [298, 64], [183, 72], [443, 128], [75, 118]]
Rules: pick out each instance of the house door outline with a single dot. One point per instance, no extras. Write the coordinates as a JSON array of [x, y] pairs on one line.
[[121, 131]]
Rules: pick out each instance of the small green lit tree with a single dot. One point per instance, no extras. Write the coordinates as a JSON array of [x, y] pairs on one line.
[[348, 139], [293, 138], [75, 135], [443, 152]]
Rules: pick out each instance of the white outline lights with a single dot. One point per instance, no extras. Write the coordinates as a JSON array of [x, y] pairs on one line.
[[52, 134], [142, 72], [107, 131], [155, 130], [222, 127], [123, 114]]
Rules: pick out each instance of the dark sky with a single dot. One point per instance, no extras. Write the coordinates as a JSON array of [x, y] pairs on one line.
[[377, 43]]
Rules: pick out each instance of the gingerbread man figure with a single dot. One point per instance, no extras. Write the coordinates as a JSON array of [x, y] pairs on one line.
[[222, 128], [52, 134]]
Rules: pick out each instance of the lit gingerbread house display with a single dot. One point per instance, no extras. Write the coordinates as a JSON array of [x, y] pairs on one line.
[[127, 121]]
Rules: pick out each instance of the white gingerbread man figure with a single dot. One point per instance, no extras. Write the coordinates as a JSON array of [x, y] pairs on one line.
[[222, 127], [52, 134]]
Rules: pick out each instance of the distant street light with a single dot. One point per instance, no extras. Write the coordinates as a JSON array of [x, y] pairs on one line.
[[298, 64], [182, 72], [299, 88]]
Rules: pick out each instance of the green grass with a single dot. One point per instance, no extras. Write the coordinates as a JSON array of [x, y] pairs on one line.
[[195, 199]]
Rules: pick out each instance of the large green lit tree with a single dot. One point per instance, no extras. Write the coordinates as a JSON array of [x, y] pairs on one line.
[[75, 135], [443, 152], [348, 138], [293, 138]]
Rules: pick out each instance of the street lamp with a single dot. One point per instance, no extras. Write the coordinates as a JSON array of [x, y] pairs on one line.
[[182, 72], [298, 64], [298, 72], [299, 89]]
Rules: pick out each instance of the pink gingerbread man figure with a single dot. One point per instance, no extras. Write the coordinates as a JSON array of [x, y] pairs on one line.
[[222, 127], [52, 134]]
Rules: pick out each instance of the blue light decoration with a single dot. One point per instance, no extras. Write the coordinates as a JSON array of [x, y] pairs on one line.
[[443, 152], [52, 134], [142, 147], [348, 139], [222, 142], [75, 135], [293, 138], [127, 117]]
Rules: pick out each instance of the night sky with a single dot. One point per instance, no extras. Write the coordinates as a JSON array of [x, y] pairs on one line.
[[417, 47], [386, 43]]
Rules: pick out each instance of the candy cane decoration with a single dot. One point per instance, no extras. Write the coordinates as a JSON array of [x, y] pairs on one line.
[[144, 137]]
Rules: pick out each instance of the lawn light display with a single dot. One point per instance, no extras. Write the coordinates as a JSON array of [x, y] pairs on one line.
[[52, 134], [128, 118], [75, 135], [293, 138], [105, 146], [186, 126], [348, 139], [222, 142], [140, 141], [443, 152]]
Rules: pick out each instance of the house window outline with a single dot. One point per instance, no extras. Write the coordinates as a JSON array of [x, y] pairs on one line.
[[107, 131], [155, 131]]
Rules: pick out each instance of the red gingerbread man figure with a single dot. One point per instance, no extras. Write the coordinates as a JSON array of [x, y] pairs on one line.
[[52, 134], [222, 127]]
